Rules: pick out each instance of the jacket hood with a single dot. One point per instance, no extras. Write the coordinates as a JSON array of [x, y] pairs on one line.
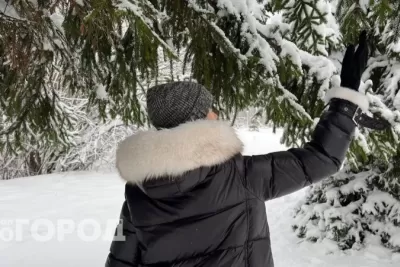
[[150, 155]]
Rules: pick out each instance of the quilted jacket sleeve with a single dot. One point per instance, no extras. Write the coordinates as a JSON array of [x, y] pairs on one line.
[[124, 253], [276, 174]]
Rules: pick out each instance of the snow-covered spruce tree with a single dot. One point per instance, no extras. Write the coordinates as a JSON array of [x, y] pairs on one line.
[[49, 41], [361, 205], [102, 48]]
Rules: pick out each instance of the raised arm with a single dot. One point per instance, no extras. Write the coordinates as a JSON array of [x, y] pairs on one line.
[[280, 173], [277, 174]]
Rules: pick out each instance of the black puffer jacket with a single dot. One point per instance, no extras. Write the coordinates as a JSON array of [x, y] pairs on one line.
[[202, 203]]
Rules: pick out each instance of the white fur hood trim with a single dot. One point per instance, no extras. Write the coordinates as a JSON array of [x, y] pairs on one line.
[[353, 96], [153, 154]]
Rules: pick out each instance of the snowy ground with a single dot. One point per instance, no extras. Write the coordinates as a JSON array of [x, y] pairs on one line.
[[76, 197]]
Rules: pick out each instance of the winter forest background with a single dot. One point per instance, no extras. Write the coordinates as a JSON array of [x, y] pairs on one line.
[[73, 74]]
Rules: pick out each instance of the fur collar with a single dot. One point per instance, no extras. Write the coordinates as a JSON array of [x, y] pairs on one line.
[[154, 154]]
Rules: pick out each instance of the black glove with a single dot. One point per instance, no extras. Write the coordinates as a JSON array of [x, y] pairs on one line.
[[353, 66], [354, 63]]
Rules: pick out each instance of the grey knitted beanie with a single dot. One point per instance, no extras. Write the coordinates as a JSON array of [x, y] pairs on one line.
[[171, 104]]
